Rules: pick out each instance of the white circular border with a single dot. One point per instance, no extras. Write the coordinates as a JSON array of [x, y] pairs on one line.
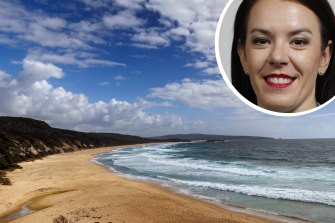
[[228, 82]]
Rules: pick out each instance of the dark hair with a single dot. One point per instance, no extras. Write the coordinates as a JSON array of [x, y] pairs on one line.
[[325, 84]]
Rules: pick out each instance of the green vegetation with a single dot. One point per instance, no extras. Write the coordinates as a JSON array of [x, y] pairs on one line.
[[24, 139], [3, 179]]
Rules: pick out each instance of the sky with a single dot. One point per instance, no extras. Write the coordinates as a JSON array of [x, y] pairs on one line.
[[139, 67]]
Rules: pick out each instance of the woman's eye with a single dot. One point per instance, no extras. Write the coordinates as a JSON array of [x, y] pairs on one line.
[[299, 42], [260, 41]]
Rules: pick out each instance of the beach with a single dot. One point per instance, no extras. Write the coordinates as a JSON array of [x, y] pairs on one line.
[[70, 185]]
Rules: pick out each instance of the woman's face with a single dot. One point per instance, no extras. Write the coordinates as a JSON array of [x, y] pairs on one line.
[[283, 55]]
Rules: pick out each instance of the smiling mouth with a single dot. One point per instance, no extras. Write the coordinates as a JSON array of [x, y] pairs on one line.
[[279, 80]]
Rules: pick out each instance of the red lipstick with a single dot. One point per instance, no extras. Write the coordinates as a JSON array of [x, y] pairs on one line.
[[279, 80]]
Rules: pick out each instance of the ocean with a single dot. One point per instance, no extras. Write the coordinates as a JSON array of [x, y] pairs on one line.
[[285, 177]]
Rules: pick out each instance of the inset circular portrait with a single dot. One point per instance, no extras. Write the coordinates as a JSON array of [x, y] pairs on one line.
[[278, 55]]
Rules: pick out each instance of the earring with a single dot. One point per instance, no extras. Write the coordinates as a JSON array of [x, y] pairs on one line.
[[321, 72]]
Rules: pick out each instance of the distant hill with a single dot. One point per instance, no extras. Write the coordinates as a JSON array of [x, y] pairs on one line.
[[24, 138], [194, 137]]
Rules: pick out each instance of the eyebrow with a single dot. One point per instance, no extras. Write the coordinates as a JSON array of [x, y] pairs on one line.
[[292, 33], [303, 30]]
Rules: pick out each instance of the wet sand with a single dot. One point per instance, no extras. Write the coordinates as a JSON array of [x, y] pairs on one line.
[[69, 184]]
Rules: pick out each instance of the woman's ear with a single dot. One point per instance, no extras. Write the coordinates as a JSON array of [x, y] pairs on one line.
[[243, 58], [325, 57]]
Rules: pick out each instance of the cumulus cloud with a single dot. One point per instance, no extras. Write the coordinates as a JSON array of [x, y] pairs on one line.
[[205, 94], [30, 95], [38, 71], [4, 79]]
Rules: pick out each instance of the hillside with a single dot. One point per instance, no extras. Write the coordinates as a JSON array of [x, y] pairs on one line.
[[23, 139]]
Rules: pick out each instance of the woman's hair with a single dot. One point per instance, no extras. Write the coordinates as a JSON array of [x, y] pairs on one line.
[[325, 84]]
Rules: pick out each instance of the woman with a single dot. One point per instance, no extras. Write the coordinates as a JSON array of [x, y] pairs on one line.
[[282, 53]]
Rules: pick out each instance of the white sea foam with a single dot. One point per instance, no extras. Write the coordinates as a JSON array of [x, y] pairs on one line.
[[182, 167], [151, 159], [320, 197], [189, 164]]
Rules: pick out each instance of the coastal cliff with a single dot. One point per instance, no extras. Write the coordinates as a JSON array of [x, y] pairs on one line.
[[24, 139]]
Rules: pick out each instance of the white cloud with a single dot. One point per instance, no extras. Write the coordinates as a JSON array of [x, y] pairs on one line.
[[103, 83], [119, 77], [39, 28], [86, 26], [80, 59], [123, 20], [196, 23], [198, 64], [207, 67], [198, 17], [30, 95], [53, 23], [211, 70], [152, 39], [45, 37], [7, 40], [38, 71], [145, 46], [102, 62], [206, 94], [97, 3], [13, 17], [130, 4], [4, 79], [191, 21]]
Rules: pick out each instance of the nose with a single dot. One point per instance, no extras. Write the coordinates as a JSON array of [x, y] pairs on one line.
[[278, 55]]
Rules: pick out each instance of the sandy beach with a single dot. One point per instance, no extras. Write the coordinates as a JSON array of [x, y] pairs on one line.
[[69, 184]]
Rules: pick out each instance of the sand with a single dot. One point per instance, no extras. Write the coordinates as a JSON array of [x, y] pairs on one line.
[[69, 184]]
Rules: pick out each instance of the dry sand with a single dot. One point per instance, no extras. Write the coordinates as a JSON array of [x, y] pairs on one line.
[[69, 184]]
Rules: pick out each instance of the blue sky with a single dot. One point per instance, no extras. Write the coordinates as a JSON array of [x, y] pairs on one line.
[[141, 67]]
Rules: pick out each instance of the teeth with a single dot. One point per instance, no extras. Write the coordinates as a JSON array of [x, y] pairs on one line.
[[279, 80]]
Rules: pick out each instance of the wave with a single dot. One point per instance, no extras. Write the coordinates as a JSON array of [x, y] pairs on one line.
[[320, 197], [147, 158], [203, 165], [219, 172]]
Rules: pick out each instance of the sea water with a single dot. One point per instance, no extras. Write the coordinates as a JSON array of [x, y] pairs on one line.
[[287, 177]]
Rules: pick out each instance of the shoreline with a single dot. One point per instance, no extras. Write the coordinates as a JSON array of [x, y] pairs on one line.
[[229, 207], [71, 185]]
